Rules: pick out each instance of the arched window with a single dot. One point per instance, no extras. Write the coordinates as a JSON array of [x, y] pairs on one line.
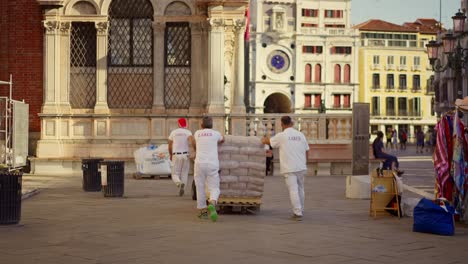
[[347, 73], [177, 58], [130, 54], [318, 73], [337, 73], [82, 65], [308, 73]]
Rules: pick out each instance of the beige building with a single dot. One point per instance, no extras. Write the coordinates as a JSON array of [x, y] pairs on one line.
[[303, 54], [395, 75]]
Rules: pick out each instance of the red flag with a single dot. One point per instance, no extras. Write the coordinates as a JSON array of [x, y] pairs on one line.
[[247, 23]]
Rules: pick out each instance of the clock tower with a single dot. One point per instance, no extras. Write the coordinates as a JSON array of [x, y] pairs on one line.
[[303, 56]]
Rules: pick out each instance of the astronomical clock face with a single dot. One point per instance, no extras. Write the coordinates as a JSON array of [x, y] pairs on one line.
[[278, 61]]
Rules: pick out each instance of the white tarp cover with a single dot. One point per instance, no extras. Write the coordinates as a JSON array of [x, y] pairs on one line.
[[153, 160], [20, 133]]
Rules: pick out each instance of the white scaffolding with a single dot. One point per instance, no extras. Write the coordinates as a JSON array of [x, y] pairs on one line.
[[14, 129]]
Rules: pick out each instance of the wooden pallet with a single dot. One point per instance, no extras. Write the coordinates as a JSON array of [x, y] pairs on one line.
[[139, 176], [239, 205]]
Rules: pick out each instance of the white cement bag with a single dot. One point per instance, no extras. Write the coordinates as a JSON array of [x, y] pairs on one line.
[[153, 160]]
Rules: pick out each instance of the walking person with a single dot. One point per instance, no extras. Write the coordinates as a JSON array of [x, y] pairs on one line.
[[179, 154], [293, 149], [395, 139], [389, 138], [419, 141], [206, 171]]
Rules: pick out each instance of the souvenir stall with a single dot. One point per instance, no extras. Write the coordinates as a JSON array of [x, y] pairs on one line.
[[451, 159]]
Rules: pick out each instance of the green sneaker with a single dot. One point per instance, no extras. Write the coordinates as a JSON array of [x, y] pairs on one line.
[[213, 213], [203, 215]]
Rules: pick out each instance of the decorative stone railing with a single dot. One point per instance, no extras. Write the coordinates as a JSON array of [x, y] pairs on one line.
[[318, 128]]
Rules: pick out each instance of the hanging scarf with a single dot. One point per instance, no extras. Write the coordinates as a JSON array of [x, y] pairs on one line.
[[459, 164], [442, 158]]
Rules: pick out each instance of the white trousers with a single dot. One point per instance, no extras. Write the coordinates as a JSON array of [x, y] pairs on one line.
[[295, 183], [180, 168], [206, 174]]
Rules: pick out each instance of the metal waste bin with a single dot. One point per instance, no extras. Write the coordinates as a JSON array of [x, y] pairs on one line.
[[91, 175], [10, 197], [112, 178]]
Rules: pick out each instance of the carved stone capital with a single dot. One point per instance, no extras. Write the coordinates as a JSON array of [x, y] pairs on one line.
[[51, 26], [65, 27], [159, 26], [216, 23], [101, 27], [239, 24]]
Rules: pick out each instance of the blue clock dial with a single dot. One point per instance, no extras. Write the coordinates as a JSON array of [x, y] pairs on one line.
[[278, 61]]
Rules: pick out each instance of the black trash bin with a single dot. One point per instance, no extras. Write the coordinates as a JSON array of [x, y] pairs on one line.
[[112, 178], [10, 197], [91, 175]]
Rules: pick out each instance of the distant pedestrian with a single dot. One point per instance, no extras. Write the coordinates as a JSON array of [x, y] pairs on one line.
[[419, 141], [389, 136], [427, 140], [293, 149], [403, 139], [395, 139]]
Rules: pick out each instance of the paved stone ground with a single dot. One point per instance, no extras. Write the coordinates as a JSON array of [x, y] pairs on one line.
[[63, 224]]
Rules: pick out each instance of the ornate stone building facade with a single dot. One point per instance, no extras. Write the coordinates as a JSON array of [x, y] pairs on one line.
[[118, 73], [303, 56]]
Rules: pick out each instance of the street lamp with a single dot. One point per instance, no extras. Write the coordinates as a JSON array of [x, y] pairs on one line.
[[456, 55]]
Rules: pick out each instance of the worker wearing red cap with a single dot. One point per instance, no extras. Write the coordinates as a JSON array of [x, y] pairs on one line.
[[179, 153]]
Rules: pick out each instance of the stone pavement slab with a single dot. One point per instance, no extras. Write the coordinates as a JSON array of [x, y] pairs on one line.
[[63, 224]]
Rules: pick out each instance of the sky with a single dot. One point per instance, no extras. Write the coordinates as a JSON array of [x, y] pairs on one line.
[[400, 11]]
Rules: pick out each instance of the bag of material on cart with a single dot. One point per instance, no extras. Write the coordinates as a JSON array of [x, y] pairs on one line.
[[153, 160], [434, 217]]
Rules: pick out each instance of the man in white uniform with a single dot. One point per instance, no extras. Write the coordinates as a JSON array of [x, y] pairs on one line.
[[179, 152], [293, 149], [206, 169]]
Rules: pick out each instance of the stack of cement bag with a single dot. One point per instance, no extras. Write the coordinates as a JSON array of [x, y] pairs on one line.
[[242, 165]]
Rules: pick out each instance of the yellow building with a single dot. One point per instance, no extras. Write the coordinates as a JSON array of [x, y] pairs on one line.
[[394, 75]]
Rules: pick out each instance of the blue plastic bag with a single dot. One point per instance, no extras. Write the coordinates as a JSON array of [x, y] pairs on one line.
[[430, 217]]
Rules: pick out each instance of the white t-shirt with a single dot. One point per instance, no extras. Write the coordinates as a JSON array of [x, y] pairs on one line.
[[292, 146], [207, 146], [179, 139]]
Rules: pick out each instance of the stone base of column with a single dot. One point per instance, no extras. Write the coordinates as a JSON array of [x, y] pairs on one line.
[[216, 109], [158, 109], [238, 126], [219, 124], [101, 108], [196, 110], [56, 109], [238, 109]]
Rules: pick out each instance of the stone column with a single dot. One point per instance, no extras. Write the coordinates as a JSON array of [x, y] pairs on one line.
[[196, 69], [51, 65], [101, 106], [238, 102], [238, 119], [158, 67], [64, 68], [216, 66]]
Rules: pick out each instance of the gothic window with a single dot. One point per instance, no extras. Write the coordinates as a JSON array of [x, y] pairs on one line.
[[82, 65], [318, 73], [337, 73], [130, 54], [177, 81], [347, 73], [308, 73]]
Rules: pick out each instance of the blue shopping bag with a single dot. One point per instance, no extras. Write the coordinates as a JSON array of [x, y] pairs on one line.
[[432, 217]]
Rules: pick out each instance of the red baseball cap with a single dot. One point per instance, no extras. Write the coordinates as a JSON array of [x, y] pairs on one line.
[[182, 122]]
